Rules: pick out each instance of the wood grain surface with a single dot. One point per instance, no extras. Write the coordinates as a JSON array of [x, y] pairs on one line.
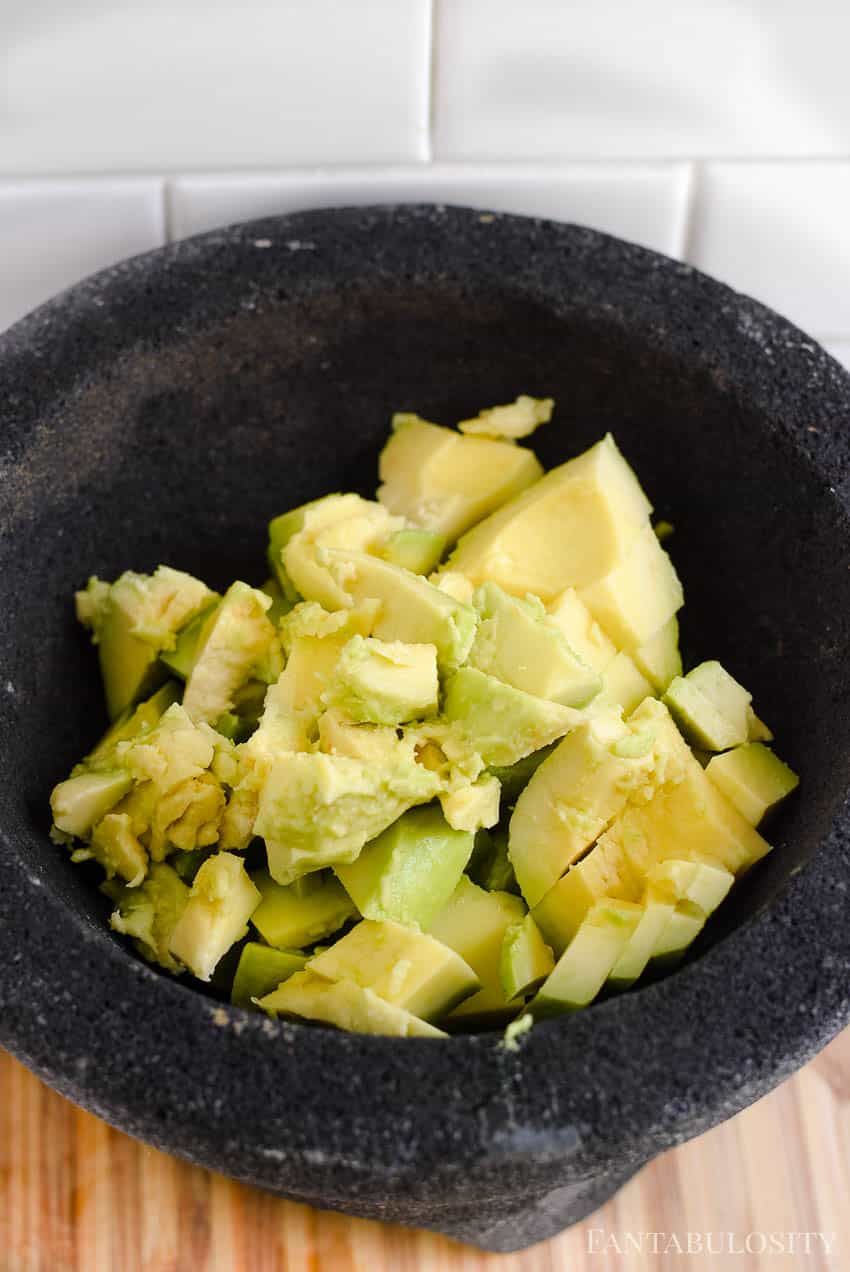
[[76, 1196]]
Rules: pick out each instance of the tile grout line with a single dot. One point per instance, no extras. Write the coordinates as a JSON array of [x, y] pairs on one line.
[[431, 88], [688, 227]]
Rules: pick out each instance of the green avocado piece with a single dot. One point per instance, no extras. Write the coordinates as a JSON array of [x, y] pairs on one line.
[[503, 724], [657, 910], [515, 777], [221, 902], [409, 872], [290, 918], [490, 865], [133, 620], [586, 964], [416, 550], [280, 604], [181, 659], [753, 779], [640, 594], [473, 804], [605, 871], [385, 682], [150, 913], [79, 802], [412, 609], [526, 959], [403, 967], [311, 516], [517, 643], [623, 685], [261, 970], [235, 635], [131, 724], [346, 1005], [683, 927], [114, 845], [473, 924], [710, 707], [658, 658]]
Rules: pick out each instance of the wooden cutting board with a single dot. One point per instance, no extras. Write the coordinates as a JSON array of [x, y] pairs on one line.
[[76, 1196]]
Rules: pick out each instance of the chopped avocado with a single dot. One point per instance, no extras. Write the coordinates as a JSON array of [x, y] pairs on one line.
[[412, 609], [353, 524], [515, 420], [683, 927], [338, 735], [79, 802], [133, 620], [502, 723], [312, 517], [346, 1005], [570, 799], [150, 914], [567, 530], [221, 902], [586, 964], [518, 643], [753, 779], [317, 810], [623, 685], [409, 872], [472, 805], [658, 658], [604, 872], [473, 923], [289, 919], [526, 959], [234, 636], [385, 682], [442, 480], [710, 707], [657, 910], [132, 724], [117, 849], [181, 659], [455, 585], [414, 549], [757, 730], [515, 777], [639, 594], [582, 632], [260, 970], [489, 866], [280, 603], [403, 967]]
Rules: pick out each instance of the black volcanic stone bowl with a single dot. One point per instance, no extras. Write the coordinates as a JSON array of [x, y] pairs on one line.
[[163, 411]]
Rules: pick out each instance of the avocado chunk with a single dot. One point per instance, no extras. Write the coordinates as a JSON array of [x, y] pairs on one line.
[[442, 480], [639, 594], [567, 530], [132, 621], [501, 723], [289, 918], [517, 643], [408, 969], [132, 723], [309, 520], [118, 850], [150, 913], [339, 522], [623, 685], [710, 707], [260, 970], [683, 927], [346, 1005], [181, 659], [385, 682], [582, 632], [317, 810], [526, 960], [489, 866], [408, 873], [515, 777], [753, 779], [605, 871], [79, 802], [412, 609], [658, 658], [516, 419], [414, 549], [571, 798], [339, 735], [586, 964], [221, 902], [472, 805], [473, 924], [235, 635]]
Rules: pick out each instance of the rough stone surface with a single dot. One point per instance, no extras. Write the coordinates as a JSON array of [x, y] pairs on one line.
[[163, 411]]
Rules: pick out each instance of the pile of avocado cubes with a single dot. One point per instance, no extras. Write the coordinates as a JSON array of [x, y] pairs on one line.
[[442, 771]]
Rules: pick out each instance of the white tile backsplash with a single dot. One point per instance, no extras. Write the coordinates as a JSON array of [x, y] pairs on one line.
[[134, 85], [54, 233], [779, 231], [591, 79], [643, 202]]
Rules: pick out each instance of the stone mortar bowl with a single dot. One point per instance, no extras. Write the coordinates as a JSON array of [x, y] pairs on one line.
[[163, 411]]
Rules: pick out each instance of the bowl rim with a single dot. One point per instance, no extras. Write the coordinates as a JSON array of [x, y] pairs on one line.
[[636, 1094]]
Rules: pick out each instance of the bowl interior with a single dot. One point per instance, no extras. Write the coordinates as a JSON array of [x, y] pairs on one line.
[[182, 439]]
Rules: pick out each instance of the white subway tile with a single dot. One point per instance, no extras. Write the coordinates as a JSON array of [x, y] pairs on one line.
[[780, 232], [642, 202], [54, 233], [651, 78], [152, 85]]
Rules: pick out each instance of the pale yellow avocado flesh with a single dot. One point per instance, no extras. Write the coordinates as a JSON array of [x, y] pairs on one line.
[[407, 741]]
